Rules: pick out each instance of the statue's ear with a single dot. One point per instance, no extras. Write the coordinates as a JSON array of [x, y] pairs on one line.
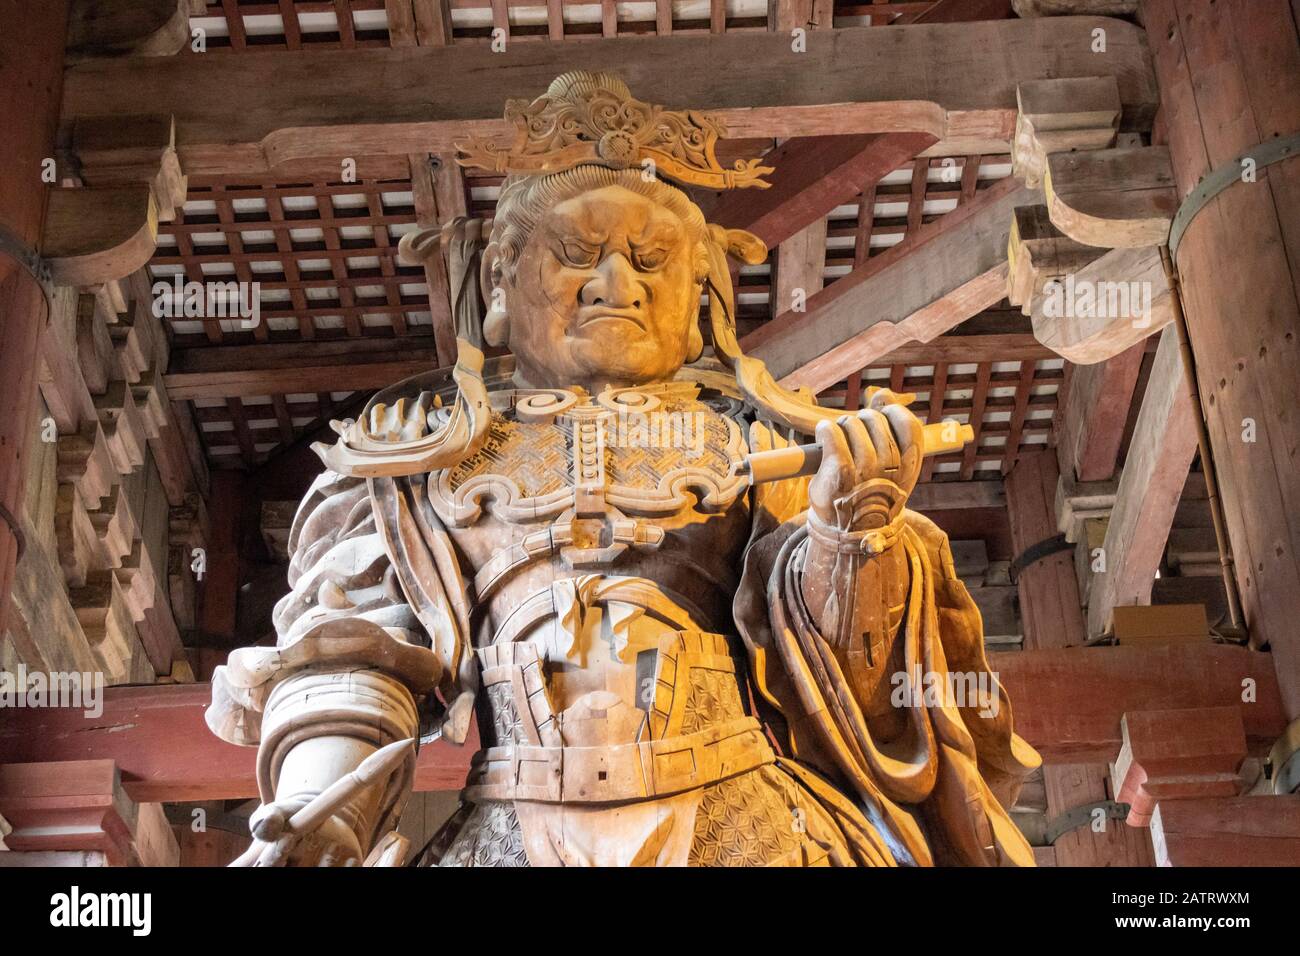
[[496, 324]]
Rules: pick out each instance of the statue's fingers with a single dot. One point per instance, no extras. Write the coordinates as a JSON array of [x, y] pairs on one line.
[[906, 428], [836, 469], [865, 457], [882, 398], [882, 439]]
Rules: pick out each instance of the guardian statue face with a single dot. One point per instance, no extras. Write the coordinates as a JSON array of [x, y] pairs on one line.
[[606, 291]]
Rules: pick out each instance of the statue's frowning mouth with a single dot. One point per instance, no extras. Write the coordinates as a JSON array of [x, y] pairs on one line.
[[603, 314]]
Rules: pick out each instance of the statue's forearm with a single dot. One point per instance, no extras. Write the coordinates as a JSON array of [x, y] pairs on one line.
[[847, 594], [320, 723]]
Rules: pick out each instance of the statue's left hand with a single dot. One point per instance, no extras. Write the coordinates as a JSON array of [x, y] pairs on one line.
[[883, 440], [333, 843]]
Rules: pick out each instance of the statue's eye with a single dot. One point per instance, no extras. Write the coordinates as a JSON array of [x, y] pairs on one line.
[[578, 254], [648, 260]]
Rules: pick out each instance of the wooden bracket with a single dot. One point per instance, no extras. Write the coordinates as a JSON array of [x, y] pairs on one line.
[[1112, 198], [95, 235], [1062, 115], [129, 27], [1177, 754]]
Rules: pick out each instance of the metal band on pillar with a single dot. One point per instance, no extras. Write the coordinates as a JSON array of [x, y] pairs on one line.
[[1036, 552], [1265, 154], [29, 259]]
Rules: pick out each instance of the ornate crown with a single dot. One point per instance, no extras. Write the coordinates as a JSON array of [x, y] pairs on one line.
[[592, 118]]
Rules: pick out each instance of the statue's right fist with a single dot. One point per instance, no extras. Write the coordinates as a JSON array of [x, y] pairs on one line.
[[883, 440]]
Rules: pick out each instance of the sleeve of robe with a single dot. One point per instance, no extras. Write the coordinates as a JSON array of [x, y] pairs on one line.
[[941, 788]]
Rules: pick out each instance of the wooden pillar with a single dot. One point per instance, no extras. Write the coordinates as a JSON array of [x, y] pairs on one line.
[[1051, 617], [1229, 78], [222, 563], [31, 83], [1050, 611]]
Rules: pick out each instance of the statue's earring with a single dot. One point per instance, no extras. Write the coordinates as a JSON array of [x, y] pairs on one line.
[[694, 342]]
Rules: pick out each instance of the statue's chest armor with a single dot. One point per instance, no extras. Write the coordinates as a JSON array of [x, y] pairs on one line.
[[629, 483], [606, 535], [649, 453]]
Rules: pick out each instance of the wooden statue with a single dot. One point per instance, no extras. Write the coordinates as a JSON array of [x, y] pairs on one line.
[[685, 640]]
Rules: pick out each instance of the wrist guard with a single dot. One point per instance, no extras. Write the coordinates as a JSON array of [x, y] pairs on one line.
[[868, 520]]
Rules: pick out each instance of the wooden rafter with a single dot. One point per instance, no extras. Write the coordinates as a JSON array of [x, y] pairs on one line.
[[812, 175], [322, 252], [948, 272]]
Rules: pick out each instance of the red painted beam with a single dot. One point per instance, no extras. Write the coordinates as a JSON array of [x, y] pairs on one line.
[[1228, 831], [1068, 704], [813, 175], [166, 752]]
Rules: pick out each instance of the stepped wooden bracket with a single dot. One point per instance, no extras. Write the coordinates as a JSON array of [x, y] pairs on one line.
[[1087, 303], [130, 27], [1177, 754], [1078, 502], [1062, 115], [95, 235], [1037, 253], [68, 805], [79, 807], [127, 150], [1113, 198], [1109, 305]]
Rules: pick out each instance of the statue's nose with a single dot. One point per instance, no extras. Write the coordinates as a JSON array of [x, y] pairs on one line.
[[614, 284]]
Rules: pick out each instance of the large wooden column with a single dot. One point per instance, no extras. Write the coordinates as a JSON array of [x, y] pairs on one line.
[[31, 84], [1229, 77]]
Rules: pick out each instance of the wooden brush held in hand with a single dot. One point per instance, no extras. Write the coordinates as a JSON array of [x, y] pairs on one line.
[[796, 461]]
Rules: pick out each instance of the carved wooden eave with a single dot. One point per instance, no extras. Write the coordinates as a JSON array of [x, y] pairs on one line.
[[1062, 115]]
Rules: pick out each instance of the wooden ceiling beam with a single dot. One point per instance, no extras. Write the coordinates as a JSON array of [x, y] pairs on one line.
[[1094, 412], [813, 175], [1150, 486], [956, 11], [947, 272], [1068, 704], [337, 365], [956, 82]]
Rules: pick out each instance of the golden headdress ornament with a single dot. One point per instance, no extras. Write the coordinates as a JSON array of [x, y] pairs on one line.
[[592, 118]]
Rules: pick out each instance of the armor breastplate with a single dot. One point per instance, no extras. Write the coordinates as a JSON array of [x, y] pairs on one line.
[[648, 452], [605, 533]]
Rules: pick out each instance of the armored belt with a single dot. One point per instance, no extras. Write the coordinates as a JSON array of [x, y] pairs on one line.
[[619, 772]]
